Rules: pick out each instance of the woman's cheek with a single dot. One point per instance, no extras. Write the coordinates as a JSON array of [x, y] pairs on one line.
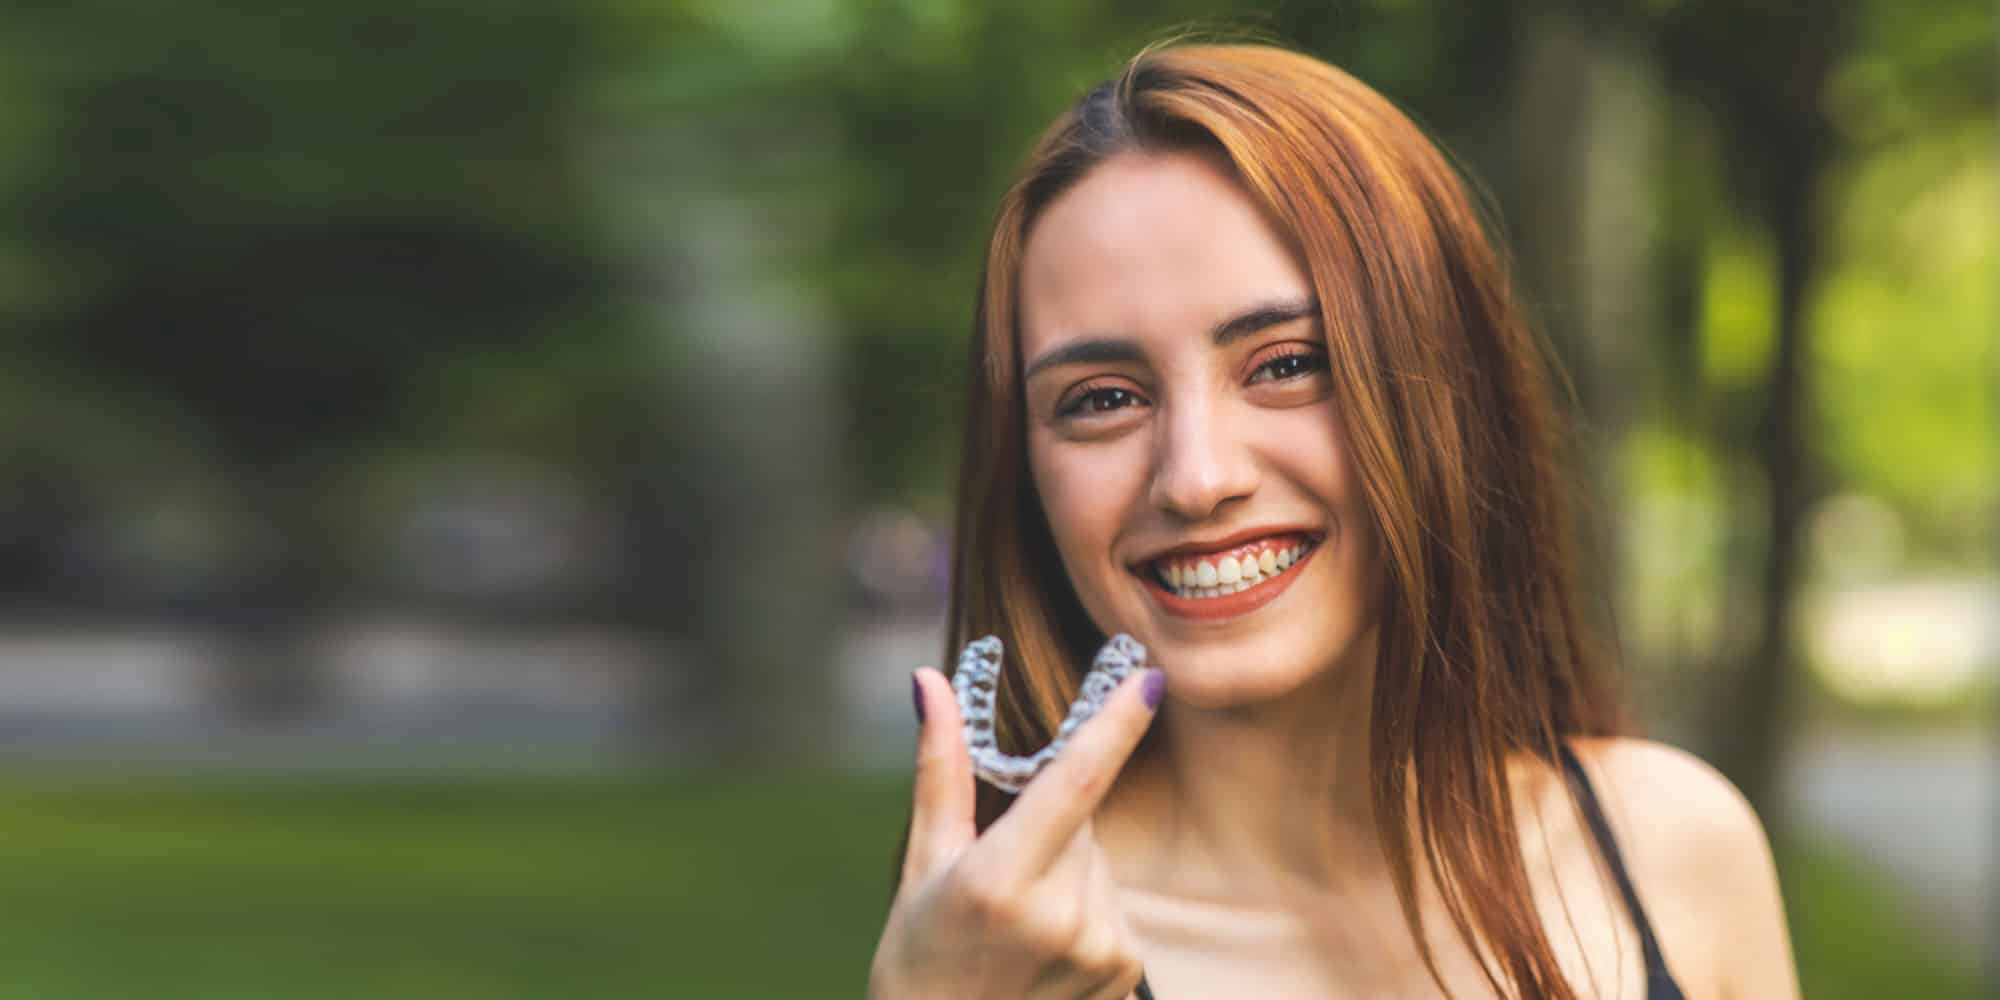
[[1080, 496], [1072, 508]]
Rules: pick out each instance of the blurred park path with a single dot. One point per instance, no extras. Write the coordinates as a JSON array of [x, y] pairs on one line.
[[1922, 806], [409, 696], [401, 696]]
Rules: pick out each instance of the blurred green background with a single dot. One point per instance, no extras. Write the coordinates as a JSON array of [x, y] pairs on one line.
[[473, 476]]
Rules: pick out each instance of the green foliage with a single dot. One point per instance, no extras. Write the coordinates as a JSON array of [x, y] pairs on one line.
[[1906, 317], [282, 222], [1893, 106], [1739, 312]]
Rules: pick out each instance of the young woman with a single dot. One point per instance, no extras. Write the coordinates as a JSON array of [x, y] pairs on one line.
[[1248, 384]]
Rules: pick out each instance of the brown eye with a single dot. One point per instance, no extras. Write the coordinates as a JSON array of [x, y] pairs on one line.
[[1100, 399], [1291, 365]]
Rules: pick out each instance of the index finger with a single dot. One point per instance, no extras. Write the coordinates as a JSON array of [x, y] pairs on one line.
[[942, 813], [1058, 802]]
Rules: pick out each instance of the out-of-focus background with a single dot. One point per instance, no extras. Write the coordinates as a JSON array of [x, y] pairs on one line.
[[474, 477]]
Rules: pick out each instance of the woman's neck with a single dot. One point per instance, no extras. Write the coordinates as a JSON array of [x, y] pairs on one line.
[[1250, 799]]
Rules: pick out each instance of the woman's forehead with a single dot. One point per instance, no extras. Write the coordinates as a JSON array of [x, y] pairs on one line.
[[1151, 245]]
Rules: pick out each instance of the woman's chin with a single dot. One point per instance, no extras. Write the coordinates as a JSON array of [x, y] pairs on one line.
[[1215, 683], [1246, 672]]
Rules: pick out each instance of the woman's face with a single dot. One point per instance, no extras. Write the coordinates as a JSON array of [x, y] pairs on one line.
[[1182, 431]]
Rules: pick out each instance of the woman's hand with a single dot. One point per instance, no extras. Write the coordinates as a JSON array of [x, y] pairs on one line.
[[1028, 909]]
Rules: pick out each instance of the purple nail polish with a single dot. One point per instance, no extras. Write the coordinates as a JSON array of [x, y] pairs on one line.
[[917, 698], [1153, 688]]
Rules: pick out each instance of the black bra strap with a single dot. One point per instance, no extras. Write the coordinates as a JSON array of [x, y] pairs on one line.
[[1655, 962], [1144, 992]]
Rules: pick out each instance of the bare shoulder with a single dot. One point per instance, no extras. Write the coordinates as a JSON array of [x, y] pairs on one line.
[[1701, 863], [1667, 798]]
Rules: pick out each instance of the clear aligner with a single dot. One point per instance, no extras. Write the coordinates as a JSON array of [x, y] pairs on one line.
[[977, 682]]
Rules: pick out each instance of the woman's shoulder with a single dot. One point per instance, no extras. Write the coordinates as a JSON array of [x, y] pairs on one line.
[[1656, 786], [1700, 861], [1671, 811]]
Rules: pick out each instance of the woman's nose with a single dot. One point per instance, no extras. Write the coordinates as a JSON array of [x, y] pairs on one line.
[[1199, 465]]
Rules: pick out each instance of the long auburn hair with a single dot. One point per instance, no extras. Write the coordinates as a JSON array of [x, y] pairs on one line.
[[1444, 392]]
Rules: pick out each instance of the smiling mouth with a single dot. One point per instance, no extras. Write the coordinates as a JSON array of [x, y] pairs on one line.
[[1206, 576]]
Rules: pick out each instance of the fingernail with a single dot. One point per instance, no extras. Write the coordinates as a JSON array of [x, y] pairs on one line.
[[1153, 688], [917, 697]]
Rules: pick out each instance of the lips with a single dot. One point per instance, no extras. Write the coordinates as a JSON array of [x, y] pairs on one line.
[[1231, 570], [1228, 577]]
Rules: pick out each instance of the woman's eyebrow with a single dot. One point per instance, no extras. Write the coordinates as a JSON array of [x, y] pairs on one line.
[[1259, 317], [1092, 351], [1096, 350]]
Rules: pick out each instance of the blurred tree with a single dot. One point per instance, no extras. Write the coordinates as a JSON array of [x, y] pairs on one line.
[[714, 167], [284, 224], [1762, 78], [309, 232]]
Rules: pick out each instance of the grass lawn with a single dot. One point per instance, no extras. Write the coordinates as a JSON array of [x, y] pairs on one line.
[[685, 887]]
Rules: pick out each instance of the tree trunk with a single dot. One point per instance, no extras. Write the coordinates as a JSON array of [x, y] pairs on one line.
[[740, 505], [1590, 137], [1759, 719], [756, 408], [1689, 649]]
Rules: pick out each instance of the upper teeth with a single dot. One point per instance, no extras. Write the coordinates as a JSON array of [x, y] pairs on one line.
[[1215, 576]]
